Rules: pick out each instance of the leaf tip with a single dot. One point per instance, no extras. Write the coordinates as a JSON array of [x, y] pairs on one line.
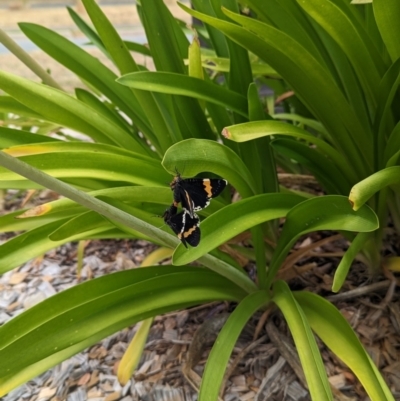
[[225, 133], [36, 211]]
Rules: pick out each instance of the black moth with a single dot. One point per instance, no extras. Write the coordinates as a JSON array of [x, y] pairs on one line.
[[195, 193], [183, 225]]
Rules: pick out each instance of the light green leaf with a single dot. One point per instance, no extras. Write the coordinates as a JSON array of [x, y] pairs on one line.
[[10, 105], [340, 27], [333, 329], [314, 124], [81, 223], [124, 61], [386, 15], [88, 31], [331, 212], [103, 306], [87, 67], [366, 188], [343, 268], [258, 129], [221, 64], [294, 64], [235, 219], [179, 84], [304, 340], [332, 180], [13, 137], [60, 108], [194, 156], [102, 166], [35, 242], [222, 349]]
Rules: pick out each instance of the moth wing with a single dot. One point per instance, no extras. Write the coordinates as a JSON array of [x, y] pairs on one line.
[[191, 233]]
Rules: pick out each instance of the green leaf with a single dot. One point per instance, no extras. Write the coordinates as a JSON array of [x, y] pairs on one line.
[[194, 156], [304, 340], [332, 180], [221, 64], [84, 199], [222, 349], [169, 47], [12, 222], [178, 84], [101, 107], [88, 31], [217, 39], [138, 48], [87, 67], [63, 109], [331, 212], [384, 121], [345, 263], [79, 224], [338, 25], [386, 14], [10, 105], [294, 63], [124, 61], [102, 306], [110, 38], [134, 194], [104, 166], [48, 145], [314, 124], [18, 250], [366, 188], [333, 329], [258, 129], [13, 137], [392, 149], [235, 219]]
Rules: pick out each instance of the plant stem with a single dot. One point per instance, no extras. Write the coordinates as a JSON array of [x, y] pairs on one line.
[[20, 53]]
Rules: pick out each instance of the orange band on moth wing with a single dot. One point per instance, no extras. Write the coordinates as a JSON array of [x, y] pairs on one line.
[[207, 187], [187, 233]]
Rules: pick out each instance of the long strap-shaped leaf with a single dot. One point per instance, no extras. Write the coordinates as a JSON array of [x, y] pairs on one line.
[[366, 188], [331, 212], [304, 340], [88, 68], [179, 84], [235, 219], [63, 109], [222, 349], [126, 64], [386, 14], [115, 214], [102, 306], [294, 63], [334, 330], [258, 129], [194, 156]]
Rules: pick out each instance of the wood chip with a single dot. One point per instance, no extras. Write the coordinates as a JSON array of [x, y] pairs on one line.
[[17, 278], [338, 381], [113, 396], [94, 393], [46, 393]]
